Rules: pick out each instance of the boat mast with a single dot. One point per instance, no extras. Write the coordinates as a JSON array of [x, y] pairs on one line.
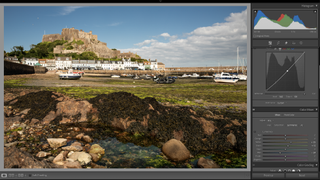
[[237, 58]]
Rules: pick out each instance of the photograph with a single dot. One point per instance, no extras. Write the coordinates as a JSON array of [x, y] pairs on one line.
[[88, 87]]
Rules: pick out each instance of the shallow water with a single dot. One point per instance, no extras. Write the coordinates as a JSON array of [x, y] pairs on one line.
[[120, 155]]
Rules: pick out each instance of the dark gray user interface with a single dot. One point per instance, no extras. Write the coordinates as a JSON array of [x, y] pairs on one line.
[[285, 92]]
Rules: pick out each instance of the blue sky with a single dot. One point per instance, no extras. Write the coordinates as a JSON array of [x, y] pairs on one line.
[[176, 35]]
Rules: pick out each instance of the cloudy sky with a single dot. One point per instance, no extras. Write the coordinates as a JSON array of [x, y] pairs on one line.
[[179, 36]]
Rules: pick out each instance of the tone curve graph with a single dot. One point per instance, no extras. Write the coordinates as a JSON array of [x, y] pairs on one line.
[[284, 22]]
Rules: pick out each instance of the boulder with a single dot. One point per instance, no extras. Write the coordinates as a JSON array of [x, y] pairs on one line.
[[74, 164], [58, 159], [175, 150], [79, 136], [232, 139], [96, 149], [49, 117], [95, 157], [57, 142], [208, 126], [43, 154], [87, 138], [82, 157], [207, 163], [72, 148]]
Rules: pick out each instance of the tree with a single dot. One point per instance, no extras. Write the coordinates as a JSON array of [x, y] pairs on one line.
[[88, 55]]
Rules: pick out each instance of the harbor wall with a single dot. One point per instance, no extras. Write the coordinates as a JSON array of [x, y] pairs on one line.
[[11, 68]]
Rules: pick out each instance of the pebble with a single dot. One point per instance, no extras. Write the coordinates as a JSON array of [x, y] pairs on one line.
[[228, 161]]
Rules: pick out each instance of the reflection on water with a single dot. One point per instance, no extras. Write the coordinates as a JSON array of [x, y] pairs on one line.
[[119, 155]]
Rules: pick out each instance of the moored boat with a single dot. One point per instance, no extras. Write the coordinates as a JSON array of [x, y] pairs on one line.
[[70, 75], [115, 76], [225, 78]]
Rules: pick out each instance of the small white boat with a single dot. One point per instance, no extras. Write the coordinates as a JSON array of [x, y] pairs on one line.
[[225, 78], [195, 75], [205, 77], [70, 75], [186, 75], [242, 77], [115, 76]]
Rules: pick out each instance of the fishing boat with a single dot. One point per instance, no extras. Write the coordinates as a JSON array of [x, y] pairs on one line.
[[70, 75], [195, 75], [225, 78], [115, 76]]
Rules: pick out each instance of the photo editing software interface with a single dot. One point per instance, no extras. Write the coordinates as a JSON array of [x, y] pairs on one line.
[[229, 91]]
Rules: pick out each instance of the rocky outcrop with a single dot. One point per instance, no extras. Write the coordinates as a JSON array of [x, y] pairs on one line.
[[15, 158]]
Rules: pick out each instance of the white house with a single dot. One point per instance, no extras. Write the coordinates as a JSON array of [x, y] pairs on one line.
[[63, 62], [31, 61]]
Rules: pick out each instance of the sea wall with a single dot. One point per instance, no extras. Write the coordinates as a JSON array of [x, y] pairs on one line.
[[11, 68]]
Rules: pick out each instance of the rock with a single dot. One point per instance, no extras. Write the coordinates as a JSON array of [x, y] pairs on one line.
[[70, 160], [14, 101], [24, 112], [50, 158], [87, 138], [57, 142], [43, 154], [76, 129], [121, 123], [228, 161], [76, 143], [96, 149], [23, 149], [58, 159], [207, 163], [208, 113], [34, 121], [208, 126], [11, 122], [15, 158], [71, 108], [72, 148], [95, 157], [232, 139], [96, 166], [82, 157], [7, 111], [45, 146], [175, 150], [243, 166], [49, 117], [69, 154], [200, 101], [74, 164], [79, 136], [11, 144], [178, 135]]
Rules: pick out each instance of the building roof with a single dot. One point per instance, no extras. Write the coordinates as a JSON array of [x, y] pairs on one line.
[[160, 63]]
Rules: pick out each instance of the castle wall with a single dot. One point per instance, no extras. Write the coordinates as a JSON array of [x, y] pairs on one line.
[[51, 37]]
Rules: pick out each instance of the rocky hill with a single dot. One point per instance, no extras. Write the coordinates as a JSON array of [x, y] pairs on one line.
[[80, 41]]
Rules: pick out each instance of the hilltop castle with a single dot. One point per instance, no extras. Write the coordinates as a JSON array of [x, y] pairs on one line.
[[91, 43]]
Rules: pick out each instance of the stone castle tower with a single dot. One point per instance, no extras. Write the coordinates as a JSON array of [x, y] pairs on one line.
[[91, 43]]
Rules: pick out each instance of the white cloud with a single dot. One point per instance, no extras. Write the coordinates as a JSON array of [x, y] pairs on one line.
[[204, 46], [69, 9], [146, 42], [165, 35]]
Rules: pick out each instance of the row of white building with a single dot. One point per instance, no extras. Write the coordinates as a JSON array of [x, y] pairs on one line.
[[67, 63]]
